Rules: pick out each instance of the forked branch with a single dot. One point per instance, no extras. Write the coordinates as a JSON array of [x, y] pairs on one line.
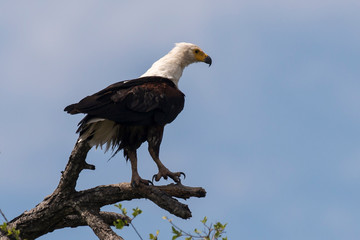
[[66, 207]]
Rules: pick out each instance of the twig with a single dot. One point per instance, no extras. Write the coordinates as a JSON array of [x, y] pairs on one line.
[[136, 230], [4, 216]]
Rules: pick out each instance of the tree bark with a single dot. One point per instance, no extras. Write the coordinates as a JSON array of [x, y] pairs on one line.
[[66, 207]]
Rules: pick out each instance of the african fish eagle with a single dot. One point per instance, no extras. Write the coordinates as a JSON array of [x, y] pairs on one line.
[[128, 113]]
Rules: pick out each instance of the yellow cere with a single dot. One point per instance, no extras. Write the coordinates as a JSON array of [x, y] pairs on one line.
[[199, 55]]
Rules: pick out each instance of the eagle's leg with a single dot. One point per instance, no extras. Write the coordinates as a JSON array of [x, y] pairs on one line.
[[154, 140], [135, 177]]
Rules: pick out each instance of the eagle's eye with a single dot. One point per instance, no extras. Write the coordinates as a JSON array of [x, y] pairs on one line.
[[197, 51]]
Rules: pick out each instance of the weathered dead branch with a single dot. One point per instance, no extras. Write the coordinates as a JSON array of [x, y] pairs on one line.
[[66, 207]]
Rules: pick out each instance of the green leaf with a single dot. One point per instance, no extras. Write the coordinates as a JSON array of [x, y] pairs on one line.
[[136, 211], [154, 237], [175, 231], [124, 211], [16, 234], [119, 224], [3, 226], [204, 220]]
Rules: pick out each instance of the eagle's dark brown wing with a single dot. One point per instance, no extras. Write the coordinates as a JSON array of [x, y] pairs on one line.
[[145, 101]]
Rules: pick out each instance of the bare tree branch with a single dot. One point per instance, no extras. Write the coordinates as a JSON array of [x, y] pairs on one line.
[[74, 221], [98, 225], [181, 191], [75, 165], [4, 236], [66, 207]]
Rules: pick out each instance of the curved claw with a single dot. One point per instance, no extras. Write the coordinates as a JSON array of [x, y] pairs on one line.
[[136, 183], [181, 173], [166, 173]]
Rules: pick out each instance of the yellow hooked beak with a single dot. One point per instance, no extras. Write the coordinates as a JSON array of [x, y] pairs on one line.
[[202, 57]]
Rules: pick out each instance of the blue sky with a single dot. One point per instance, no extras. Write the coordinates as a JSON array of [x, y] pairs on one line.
[[270, 130]]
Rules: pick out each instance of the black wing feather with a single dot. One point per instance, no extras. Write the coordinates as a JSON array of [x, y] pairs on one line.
[[144, 100]]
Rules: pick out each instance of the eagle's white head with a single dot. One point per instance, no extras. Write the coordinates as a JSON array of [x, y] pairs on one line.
[[172, 65]]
